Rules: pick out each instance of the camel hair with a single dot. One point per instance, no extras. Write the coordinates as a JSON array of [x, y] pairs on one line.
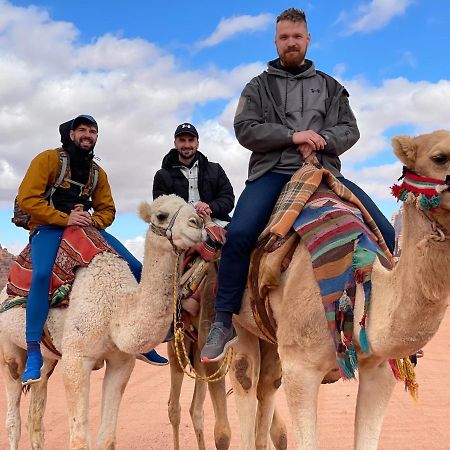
[[110, 317], [406, 308]]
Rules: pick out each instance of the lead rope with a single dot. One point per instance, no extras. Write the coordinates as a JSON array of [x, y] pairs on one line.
[[180, 348]]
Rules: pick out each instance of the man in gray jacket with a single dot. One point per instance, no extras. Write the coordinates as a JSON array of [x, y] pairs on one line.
[[284, 114]]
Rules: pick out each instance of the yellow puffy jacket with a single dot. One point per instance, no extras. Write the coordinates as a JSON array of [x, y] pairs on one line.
[[42, 173]]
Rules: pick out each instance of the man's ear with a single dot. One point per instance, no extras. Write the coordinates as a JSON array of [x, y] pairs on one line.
[[71, 134]]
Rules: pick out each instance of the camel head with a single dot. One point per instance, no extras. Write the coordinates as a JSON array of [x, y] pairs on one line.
[[428, 155], [172, 217]]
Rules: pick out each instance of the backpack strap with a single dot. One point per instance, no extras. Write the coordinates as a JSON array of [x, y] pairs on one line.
[[63, 168]]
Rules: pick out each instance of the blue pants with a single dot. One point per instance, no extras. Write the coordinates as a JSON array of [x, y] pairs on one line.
[[44, 244], [251, 215]]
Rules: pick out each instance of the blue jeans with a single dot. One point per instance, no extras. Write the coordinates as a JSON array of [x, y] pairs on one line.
[[251, 215], [44, 243]]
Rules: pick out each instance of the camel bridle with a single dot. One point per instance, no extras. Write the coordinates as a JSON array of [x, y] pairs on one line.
[[178, 324]]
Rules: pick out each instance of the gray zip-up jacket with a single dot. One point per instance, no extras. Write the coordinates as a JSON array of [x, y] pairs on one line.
[[276, 103]]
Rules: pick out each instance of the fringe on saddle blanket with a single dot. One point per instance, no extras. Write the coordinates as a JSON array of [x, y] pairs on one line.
[[343, 241]]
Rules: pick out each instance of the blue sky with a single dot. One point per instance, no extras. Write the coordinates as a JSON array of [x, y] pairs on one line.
[[142, 67]]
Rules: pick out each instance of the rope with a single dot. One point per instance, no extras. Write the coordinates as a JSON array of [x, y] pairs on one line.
[[179, 345]]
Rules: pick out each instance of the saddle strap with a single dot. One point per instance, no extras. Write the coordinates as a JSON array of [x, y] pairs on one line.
[[48, 342]]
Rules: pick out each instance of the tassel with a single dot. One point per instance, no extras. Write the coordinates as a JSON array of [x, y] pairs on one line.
[[345, 304], [363, 340], [346, 373]]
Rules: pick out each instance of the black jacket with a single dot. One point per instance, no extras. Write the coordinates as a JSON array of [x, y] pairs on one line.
[[213, 184]]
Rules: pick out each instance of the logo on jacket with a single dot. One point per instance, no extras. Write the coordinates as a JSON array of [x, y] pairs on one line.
[[315, 90]]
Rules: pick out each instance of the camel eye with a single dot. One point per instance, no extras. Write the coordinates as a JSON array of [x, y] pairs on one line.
[[162, 216], [440, 160]]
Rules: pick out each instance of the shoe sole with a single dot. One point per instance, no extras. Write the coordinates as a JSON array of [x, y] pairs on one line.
[[221, 356], [153, 363]]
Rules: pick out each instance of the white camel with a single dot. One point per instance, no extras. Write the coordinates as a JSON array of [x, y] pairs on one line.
[[407, 306], [110, 317]]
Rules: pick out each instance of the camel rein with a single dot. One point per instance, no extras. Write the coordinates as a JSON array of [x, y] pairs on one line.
[[178, 325], [179, 345]]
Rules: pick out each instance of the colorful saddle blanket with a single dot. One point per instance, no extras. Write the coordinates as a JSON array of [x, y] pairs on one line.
[[343, 241], [78, 247]]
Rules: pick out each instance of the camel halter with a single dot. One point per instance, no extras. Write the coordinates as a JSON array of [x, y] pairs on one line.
[[428, 190], [167, 232], [179, 345], [428, 193]]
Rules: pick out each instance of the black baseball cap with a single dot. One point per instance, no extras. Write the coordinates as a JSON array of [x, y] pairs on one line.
[[186, 128], [83, 118]]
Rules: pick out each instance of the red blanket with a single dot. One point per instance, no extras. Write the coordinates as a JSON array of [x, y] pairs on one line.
[[78, 246]]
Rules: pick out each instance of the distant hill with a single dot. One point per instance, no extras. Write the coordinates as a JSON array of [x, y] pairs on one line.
[[6, 259]]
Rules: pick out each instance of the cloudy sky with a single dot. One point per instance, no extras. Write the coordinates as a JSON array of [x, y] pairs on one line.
[[142, 67]]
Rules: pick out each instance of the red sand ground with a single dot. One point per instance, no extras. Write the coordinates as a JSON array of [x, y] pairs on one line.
[[143, 421]]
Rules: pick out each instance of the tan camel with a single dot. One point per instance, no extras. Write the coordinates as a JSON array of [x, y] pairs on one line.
[[407, 306], [111, 318], [222, 432], [217, 391]]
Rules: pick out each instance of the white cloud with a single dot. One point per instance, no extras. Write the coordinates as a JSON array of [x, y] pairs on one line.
[[373, 15], [232, 26], [136, 246]]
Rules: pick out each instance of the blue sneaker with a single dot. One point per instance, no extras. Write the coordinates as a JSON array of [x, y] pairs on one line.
[[33, 366], [153, 358]]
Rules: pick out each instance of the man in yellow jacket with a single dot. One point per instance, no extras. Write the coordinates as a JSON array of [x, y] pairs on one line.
[[68, 205]]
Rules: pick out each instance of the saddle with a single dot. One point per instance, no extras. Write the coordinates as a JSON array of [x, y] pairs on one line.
[[343, 242]]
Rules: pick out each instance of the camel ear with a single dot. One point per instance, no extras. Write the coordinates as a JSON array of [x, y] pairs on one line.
[[145, 211], [405, 148]]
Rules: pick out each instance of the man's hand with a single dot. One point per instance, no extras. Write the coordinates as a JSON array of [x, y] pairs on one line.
[[202, 209], [80, 218], [308, 141]]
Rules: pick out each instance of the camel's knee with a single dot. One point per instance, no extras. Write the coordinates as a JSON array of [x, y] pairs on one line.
[[13, 368], [174, 411], [243, 372], [222, 441]]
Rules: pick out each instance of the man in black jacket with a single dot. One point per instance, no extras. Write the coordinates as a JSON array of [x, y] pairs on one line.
[[187, 173]]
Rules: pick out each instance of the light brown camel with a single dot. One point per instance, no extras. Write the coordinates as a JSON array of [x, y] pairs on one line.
[[201, 322], [110, 317], [406, 308], [222, 432]]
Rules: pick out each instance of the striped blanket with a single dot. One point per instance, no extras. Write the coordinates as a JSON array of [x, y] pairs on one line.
[[78, 246], [343, 241]]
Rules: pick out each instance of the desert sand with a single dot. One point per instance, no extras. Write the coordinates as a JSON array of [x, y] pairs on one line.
[[144, 424]]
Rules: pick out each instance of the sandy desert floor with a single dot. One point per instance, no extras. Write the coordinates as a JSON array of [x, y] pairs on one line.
[[144, 424]]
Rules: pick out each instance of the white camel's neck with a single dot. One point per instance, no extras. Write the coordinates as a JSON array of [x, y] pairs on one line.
[[145, 314], [410, 301]]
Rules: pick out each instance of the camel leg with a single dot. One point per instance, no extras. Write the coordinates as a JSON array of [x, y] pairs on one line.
[[244, 375], [38, 402], [217, 391], [268, 384], [198, 399], [174, 407], [76, 372], [376, 384], [278, 431], [117, 375], [301, 383], [12, 368]]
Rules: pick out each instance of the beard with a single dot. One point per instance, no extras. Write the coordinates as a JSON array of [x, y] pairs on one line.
[[85, 144], [292, 58]]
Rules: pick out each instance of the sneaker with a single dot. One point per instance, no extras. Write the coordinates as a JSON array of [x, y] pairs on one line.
[[153, 358], [219, 340], [33, 366]]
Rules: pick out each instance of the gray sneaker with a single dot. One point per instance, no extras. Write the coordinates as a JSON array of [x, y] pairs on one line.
[[219, 340]]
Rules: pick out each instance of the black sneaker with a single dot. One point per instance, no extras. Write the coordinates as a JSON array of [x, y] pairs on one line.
[[219, 340]]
